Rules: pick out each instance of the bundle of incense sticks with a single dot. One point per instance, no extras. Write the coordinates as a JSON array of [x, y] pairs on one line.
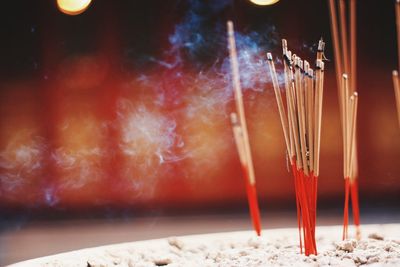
[[301, 123], [241, 135], [395, 74], [346, 67]]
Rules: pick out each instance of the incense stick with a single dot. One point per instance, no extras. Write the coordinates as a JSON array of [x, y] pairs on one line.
[[397, 8], [353, 123], [337, 51], [318, 113], [346, 65], [238, 136], [304, 94], [353, 46], [343, 36], [396, 85], [281, 108], [239, 100], [243, 137], [395, 76]]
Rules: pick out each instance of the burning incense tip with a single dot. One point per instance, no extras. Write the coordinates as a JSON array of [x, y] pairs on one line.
[[345, 76], [395, 73], [269, 56]]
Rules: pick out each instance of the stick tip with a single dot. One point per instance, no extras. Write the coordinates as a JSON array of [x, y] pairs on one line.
[[345, 76], [284, 47], [354, 96], [301, 63], [394, 72], [321, 45], [311, 72], [269, 56], [229, 24], [234, 118]]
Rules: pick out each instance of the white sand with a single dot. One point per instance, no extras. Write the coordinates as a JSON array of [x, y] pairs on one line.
[[380, 246]]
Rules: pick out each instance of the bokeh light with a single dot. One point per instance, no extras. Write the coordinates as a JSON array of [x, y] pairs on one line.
[[264, 2], [73, 7]]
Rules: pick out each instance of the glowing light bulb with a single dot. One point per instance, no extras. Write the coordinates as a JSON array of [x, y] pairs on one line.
[[264, 2], [73, 7]]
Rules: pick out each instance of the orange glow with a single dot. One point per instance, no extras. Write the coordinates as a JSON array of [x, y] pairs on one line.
[[73, 7], [264, 2]]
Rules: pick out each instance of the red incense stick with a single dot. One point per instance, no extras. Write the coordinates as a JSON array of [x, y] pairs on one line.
[[354, 204], [302, 128], [241, 135], [346, 66], [346, 208]]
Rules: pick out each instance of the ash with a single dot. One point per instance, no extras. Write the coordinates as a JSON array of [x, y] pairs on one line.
[[378, 247]]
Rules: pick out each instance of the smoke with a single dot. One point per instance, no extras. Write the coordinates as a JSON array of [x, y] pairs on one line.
[[21, 160], [80, 156], [148, 138], [185, 120]]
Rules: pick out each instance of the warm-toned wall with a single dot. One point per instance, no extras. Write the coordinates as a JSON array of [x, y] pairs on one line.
[[82, 129]]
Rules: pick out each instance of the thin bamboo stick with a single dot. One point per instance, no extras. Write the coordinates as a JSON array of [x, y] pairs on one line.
[[337, 54], [281, 108], [318, 113], [346, 123], [311, 122], [248, 168], [353, 127], [397, 7], [396, 84], [353, 79], [239, 101], [286, 62], [294, 119], [238, 136], [300, 112], [343, 38], [353, 46]]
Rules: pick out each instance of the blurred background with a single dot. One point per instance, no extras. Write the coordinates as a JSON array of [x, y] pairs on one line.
[[114, 123]]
